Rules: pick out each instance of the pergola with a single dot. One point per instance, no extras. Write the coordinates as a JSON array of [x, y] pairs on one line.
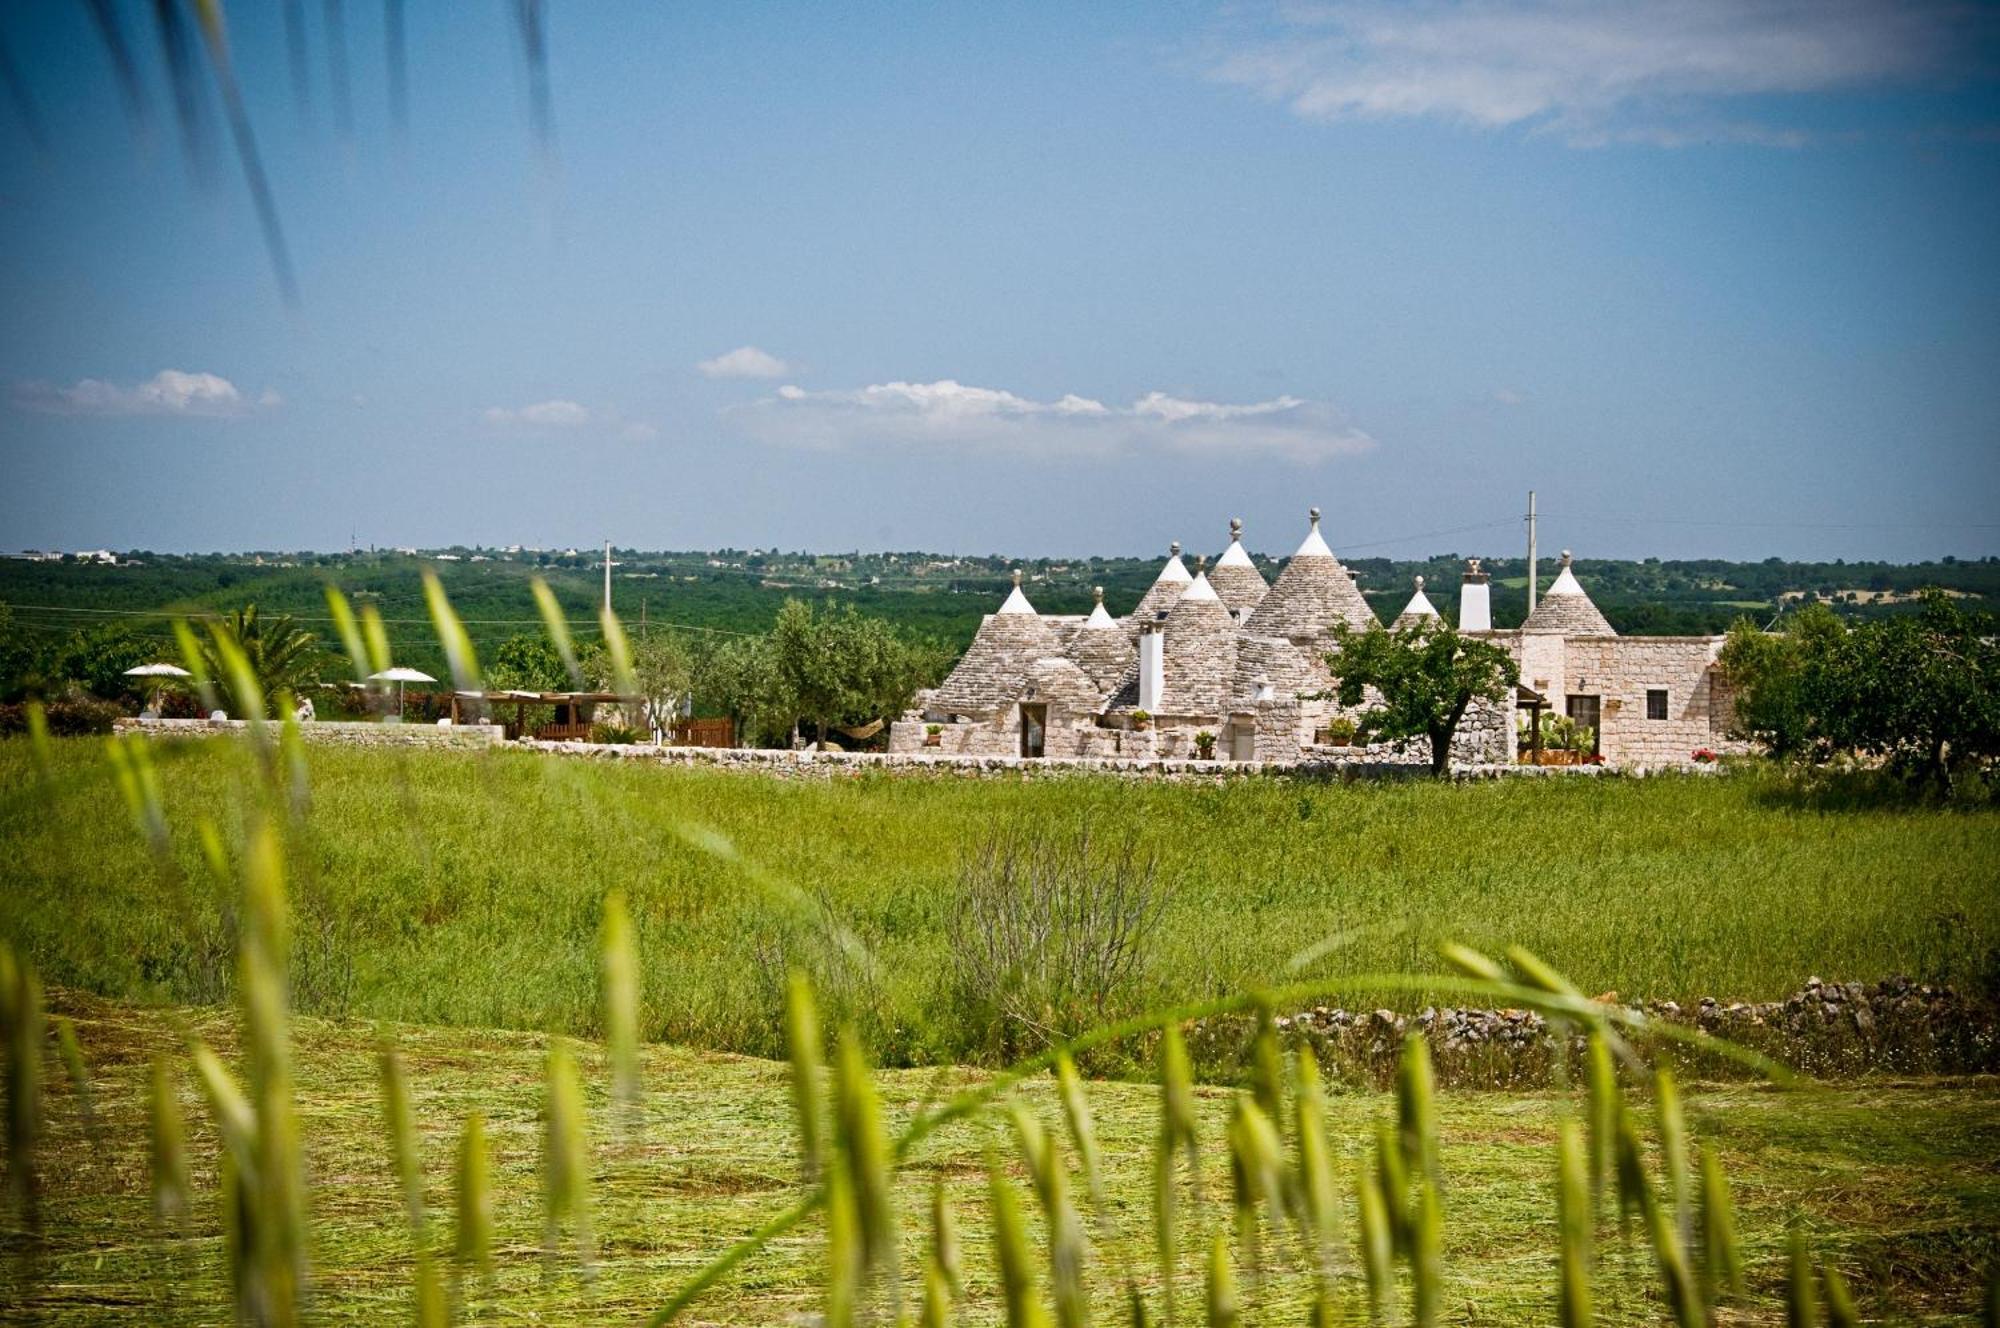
[[521, 700]]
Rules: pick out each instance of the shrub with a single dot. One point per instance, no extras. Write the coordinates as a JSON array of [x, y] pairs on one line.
[[1049, 935], [613, 733], [74, 715]]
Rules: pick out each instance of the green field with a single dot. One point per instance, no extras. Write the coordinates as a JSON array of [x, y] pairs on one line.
[[1893, 1181], [466, 890]]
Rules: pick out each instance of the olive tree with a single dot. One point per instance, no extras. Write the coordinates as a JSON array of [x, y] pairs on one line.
[[1416, 681]]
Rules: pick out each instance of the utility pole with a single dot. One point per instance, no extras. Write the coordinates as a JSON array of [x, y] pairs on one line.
[[607, 577], [1531, 554]]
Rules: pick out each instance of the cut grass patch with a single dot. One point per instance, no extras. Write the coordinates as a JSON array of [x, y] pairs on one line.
[[1894, 1180]]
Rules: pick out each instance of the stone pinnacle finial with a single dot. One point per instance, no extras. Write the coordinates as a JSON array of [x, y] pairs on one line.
[[1097, 593], [1201, 565], [1174, 548], [1235, 529], [1017, 578], [1472, 566], [1565, 557], [1314, 514], [1420, 585]]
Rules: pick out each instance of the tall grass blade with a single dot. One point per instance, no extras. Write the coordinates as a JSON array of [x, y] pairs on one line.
[[348, 629], [566, 1158], [1471, 963], [844, 1273], [1257, 1161], [558, 626], [945, 1252], [1223, 1310], [457, 642], [1392, 1177], [1722, 1255], [78, 1072], [1426, 1255], [1416, 1110], [1605, 1106], [38, 738], [22, 1021], [1575, 1217], [216, 37], [375, 634], [1840, 1308], [865, 1154], [275, 1190], [619, 649], [195, 660], [169, 1147], [1267, 1069], [1011, 1252], [802, 1040], [1065, 1227], [1374, 1240], [1801, 1299], [1674, 1151], [1177, 1134], [1083, 1137], [401, 1128], [620, 964], [1318, 1198], [473, 1198]]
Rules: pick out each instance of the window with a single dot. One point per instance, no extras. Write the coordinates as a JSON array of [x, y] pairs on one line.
[[1656, 703]]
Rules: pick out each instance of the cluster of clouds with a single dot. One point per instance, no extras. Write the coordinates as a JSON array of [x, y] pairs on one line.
[[1665, 72], [945, 414], [560, 414], [168, 392], [950, 414]]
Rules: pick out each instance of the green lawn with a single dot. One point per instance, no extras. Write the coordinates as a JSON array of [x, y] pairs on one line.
[[1894, 1181], [465, 890]]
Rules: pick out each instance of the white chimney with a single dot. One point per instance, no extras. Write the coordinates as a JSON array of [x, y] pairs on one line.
[[1152, 668], [1475, 600]]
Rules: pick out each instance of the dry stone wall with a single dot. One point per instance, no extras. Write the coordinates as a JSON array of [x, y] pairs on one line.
[[333, 733]]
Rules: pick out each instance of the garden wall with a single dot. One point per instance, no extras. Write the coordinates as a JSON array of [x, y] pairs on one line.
[[333, 733]]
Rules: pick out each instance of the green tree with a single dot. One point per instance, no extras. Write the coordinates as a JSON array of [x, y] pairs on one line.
[[282, 655], [1920, 692], [739, 679], [1417, 681], [662, 669], [528, 663]]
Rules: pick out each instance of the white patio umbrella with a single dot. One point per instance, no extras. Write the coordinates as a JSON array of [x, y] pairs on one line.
[[158, 671], [400, 675]]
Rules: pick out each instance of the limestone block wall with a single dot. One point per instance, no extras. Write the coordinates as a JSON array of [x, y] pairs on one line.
[[1620, 670], [331, 733]]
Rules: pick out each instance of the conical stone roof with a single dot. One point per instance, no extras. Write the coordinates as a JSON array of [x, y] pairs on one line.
[[994, 665], [1100, 649], [1311, 594], [1566, 610], [1235, 578], [1169, 586], [1199, 653], [1419, 609]]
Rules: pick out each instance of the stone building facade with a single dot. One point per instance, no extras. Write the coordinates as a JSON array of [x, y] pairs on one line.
[[1223, 659]]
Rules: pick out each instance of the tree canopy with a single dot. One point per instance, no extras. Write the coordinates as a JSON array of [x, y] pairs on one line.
[[1417, 681], [1920, 693]]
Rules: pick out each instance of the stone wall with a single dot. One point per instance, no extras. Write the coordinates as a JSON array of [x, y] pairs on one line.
[[1826, 1029], [1619, 670], [332, 733]]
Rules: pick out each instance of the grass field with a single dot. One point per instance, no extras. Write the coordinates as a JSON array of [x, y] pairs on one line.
[[465, 890], [1894, 1181]]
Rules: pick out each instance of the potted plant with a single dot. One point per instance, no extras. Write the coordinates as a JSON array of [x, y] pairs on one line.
[[1142, 720], [1339, 732], [1204, 746], [933, 735]]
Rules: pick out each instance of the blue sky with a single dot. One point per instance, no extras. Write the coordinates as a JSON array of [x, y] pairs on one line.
[[1714, 278]]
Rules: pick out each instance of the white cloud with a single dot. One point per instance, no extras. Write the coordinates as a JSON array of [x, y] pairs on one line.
[[1508, 396], [955, 415], [169, 392], [1594, 71], [744, 362], [542, 414]]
